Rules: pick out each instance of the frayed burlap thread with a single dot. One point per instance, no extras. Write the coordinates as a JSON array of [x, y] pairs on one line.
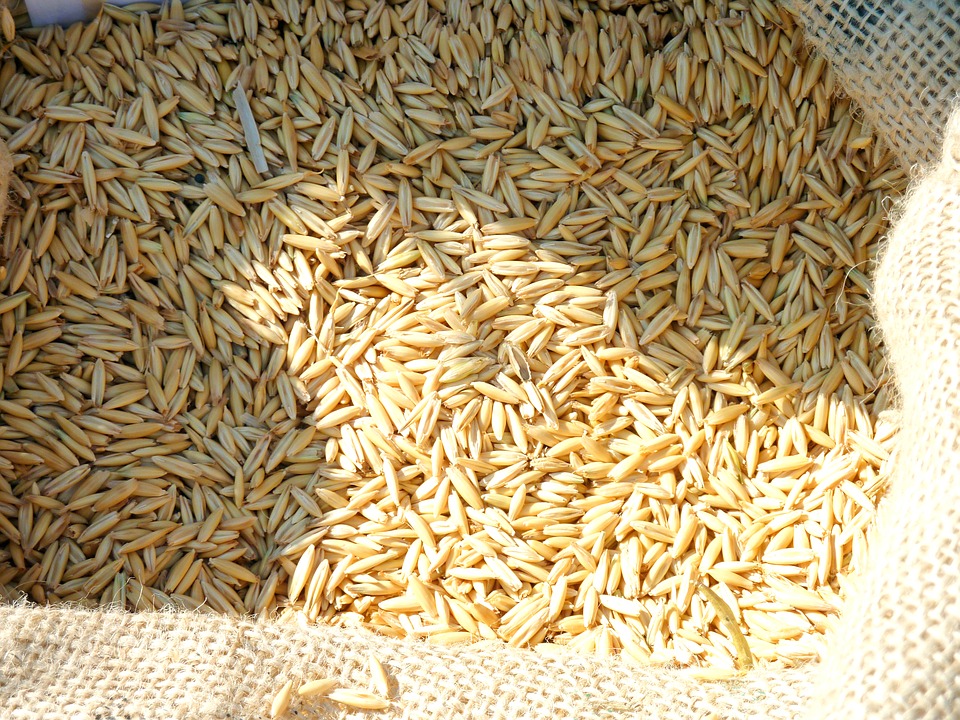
[[897, 651], [58, 664], [897, 59]]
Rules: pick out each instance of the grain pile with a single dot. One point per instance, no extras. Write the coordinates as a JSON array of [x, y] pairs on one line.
[[548, 323]]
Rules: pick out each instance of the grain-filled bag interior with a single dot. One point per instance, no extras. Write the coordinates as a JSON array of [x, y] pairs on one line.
[[507, 360]]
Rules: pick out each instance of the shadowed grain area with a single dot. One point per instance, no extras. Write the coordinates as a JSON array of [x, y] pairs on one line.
[[544, 322]]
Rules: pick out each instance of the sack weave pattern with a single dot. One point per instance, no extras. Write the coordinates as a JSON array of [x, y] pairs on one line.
[[59, 664], [897, 59], [897, 652]]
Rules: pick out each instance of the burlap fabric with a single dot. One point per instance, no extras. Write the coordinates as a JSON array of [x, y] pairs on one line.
[[76, 664], [897, 59], [897, 654], [897, 651]]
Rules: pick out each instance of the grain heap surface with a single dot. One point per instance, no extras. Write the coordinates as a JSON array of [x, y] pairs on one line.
[[548, 322]]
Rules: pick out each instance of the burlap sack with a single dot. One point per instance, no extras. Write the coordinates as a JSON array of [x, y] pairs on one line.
[[897, 652], [897, 59]]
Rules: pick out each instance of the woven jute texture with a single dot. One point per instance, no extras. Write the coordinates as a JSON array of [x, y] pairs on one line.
[[80, 664], [897, 59], [897, 652]]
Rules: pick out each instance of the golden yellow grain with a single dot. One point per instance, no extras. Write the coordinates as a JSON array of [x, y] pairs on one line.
[[486, 354], [378, 676], [313, 688], [358, 699], [281, 701]]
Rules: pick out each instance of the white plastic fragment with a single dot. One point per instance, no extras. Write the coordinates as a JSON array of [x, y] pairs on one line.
[[66, 12]]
